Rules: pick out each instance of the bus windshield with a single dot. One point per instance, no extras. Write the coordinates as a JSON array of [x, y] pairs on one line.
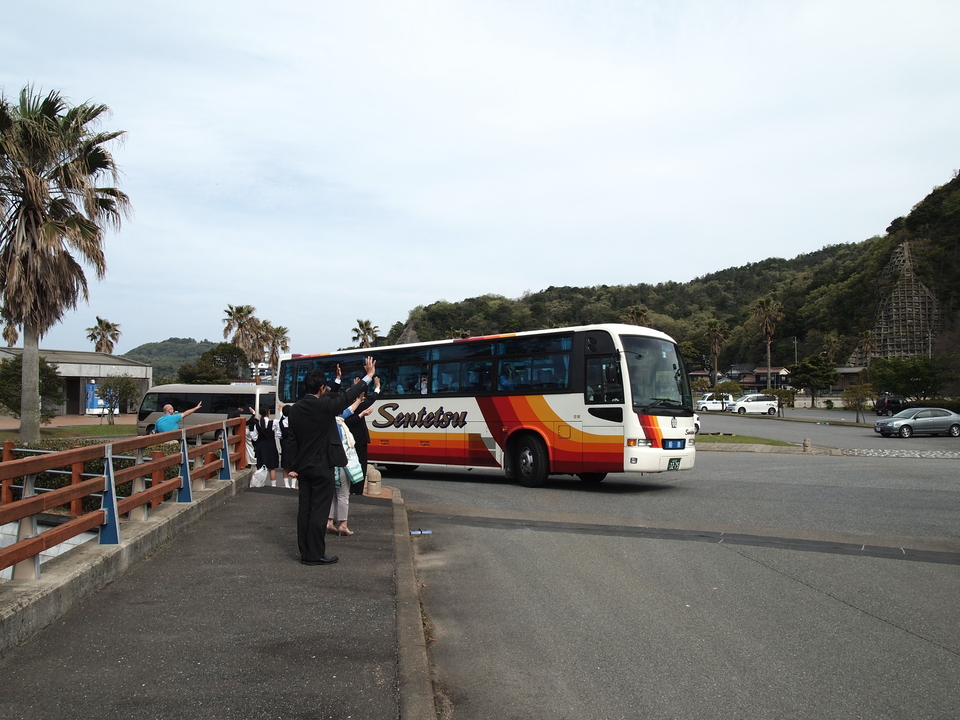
[[658, 379]]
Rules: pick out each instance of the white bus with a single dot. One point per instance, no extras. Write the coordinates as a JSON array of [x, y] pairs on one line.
[[218, 401], [585, 401]]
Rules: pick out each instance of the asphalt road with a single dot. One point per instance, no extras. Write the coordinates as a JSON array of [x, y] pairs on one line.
[[754, 586], [824, 428]]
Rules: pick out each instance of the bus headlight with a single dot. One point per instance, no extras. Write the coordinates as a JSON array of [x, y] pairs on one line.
[[639, 442]]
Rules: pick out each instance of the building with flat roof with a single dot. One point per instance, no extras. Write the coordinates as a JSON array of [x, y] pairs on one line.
[[80, 369]]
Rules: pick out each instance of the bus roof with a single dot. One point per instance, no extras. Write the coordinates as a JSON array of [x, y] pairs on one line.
[[233, 388], [613, 328]]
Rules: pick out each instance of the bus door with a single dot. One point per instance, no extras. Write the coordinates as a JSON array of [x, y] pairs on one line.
[[603, 421], [470, 439]]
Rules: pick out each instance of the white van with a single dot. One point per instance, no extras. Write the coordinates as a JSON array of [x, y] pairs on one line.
[[714, 401], [757, 403], [217, 402]]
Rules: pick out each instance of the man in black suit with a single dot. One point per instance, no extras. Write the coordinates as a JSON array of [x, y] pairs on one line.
[[317, 451]]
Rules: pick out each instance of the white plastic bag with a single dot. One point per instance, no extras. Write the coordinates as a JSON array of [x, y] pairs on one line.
[[354, 468], [259, 477]]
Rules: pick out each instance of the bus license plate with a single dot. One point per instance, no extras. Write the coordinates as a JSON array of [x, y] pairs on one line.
[[673, 444], [673, 464]]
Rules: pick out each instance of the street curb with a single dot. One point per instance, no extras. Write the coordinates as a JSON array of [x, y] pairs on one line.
[[413, 668], [68, 580]]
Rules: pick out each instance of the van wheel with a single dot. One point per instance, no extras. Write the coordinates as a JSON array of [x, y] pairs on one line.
[[772, 411], [151, 429], [531, 462], [742, 411]]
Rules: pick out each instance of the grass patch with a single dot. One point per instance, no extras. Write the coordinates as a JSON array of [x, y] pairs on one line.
[[76, 431], [740, 439]]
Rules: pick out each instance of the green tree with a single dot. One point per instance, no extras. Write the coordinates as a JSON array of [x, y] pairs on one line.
[[814, 373], [216, 366], [769, 312], [729, 387], [858, 397], [11, 391], [53, 203], [118, 391], [103, 335], [365, 333], [203, 373], [227, 358], [916, 377]]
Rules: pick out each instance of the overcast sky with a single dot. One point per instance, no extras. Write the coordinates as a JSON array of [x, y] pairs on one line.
[[328, 161]]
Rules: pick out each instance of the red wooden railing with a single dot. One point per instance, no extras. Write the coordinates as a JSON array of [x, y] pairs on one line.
[[198, 463]]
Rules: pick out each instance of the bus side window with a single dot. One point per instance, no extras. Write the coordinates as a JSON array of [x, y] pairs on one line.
[[445, 378], [478, 375]]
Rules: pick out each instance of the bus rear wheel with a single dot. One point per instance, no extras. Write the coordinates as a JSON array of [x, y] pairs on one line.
[[591, 477], [531, 462]]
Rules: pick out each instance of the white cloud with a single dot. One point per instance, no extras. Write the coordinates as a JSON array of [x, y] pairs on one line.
[[328, 161]]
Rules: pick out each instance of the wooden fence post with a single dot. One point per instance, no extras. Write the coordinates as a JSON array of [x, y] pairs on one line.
[[6, 494], [156, 477]]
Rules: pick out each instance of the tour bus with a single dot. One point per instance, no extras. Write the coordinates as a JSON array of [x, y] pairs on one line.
[[218, 401], [584, 401]]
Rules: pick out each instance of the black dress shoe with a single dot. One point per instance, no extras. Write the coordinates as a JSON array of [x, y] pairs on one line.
[[325, 560]]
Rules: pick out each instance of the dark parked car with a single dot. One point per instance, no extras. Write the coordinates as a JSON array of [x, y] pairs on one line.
[[922, 421], [889, 404]]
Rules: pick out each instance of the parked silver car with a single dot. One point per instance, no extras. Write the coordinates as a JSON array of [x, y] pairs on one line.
[[922, 421]]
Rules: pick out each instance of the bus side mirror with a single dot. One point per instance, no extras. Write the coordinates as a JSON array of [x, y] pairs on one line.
[[612, 373]]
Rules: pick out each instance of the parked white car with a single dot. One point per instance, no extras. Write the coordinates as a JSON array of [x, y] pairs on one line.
[[757, 403], [714, 401]]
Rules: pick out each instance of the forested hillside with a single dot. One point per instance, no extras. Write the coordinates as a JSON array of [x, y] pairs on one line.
[[166, 357], [829, 297]]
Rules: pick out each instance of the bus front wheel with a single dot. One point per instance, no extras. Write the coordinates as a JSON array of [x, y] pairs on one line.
[[531, 462], [592, 477]]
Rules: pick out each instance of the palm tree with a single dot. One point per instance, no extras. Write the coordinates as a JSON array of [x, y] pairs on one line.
[[635, 315], [831, 344], [769, 312], [277, 340], [365, 333], [715, 334], [10, 334], [53, 204], [103, 335], [240, 321]]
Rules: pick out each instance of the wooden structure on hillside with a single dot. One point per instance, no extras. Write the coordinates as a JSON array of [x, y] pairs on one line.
[[908, 313]]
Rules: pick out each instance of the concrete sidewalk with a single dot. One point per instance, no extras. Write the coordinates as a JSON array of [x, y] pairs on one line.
[[222, 621]]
